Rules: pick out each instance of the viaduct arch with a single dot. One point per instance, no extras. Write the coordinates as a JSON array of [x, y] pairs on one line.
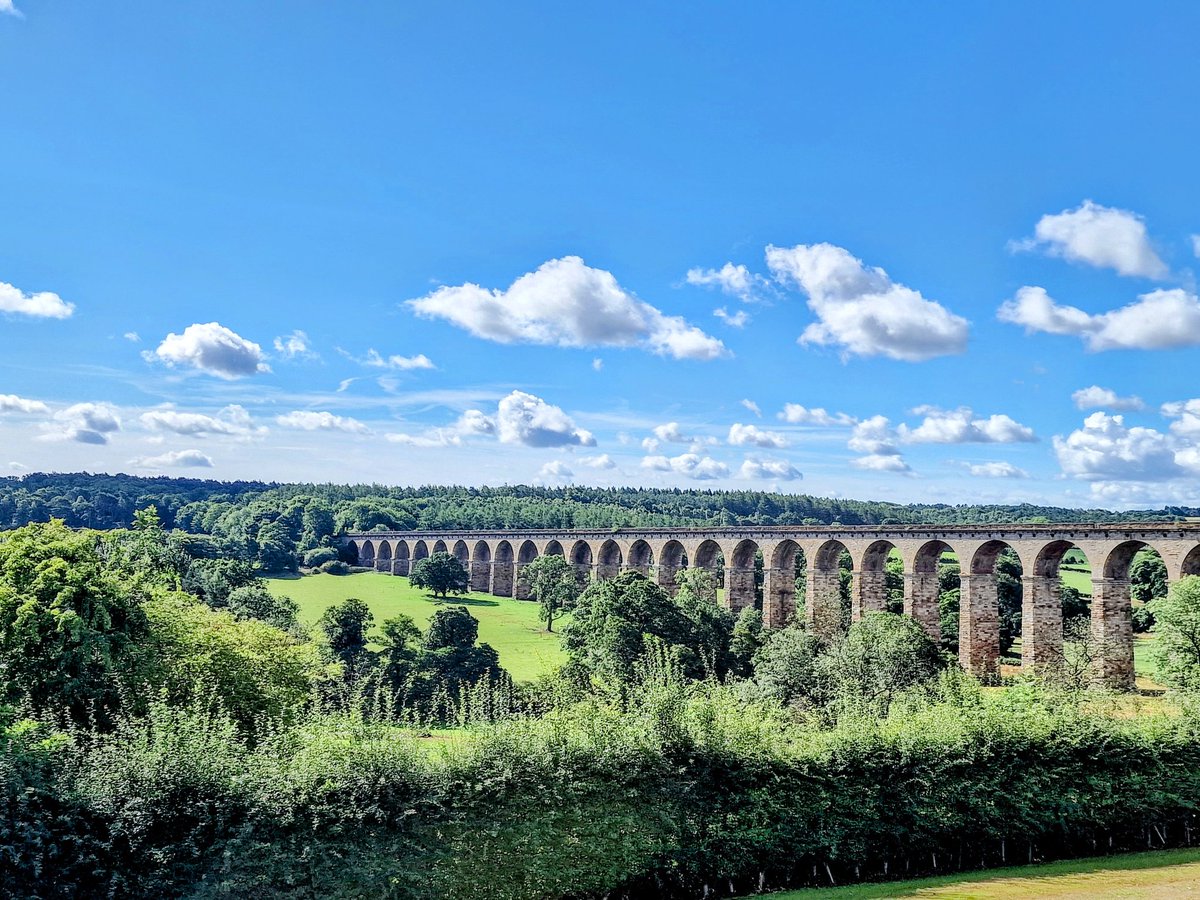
[[757, 566]]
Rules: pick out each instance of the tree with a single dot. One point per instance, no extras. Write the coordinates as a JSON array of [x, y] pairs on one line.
[[440, 574], [785, 667], [255, 601], [1147, 577], [554, 585], [1177, 622], [345, 626], [747, 639]]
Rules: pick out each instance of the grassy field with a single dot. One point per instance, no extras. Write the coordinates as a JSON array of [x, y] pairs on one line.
[[1164, 874], [511, 626]]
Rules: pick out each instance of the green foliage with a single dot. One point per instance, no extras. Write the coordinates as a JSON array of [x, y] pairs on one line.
[[746, 640], [785, 668], [1147, 577], [440, 574], [345, 628], [1177, 623], [68, 627], [1009, 592], [555, 585], [255, 601], [318, 556]]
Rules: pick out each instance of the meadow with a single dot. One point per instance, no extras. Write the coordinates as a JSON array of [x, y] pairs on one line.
[[512, 627], [1162, 874]]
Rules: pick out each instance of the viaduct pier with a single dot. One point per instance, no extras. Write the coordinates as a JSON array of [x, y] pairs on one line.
[[496, 560]]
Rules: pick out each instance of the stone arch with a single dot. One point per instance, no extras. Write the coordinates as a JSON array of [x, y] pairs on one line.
[[1042, 608], [581, 559], [1191, 562], [352, 549], [461, 552], [672, 558], [641, 557], [420, 551], [503, 566], [979, 609], [870, 594], [1112, 616], [922, 587], [779, 596], [526, 554], [366, 556], [383, 551], [439, 546], [554, 548], [481, 567], [608, 560], [741, 583], [823, 590], [402, 562]]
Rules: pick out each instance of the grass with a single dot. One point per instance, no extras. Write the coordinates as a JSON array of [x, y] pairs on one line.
[[526, 649], [1161, 874]]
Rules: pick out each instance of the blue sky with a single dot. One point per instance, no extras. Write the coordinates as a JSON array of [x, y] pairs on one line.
[[944, 253]]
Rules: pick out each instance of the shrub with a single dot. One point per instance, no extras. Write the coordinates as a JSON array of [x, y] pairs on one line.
[[335, 567]]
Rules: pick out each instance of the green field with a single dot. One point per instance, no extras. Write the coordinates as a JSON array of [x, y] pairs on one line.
[[526, 649], [1164, 874]]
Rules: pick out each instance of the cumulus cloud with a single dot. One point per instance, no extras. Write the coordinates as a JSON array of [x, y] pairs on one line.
[[87, 423], [997, 470], [7, 8], [767, 469], [795, 414], [882, 462], [472, 423], [671, 433], [566, 303], [232, 421], [42, 305], [602, 461], [1159, 320], [1099, 236], [214, 349], [404, 363], [175, 459], [738, 319], [690, 465], [736, 281], [525, 419], [13, 403], [752, 406], [862, 309], [294, 346], [556, 469], [1098, 397], [873, 436], [751, 435], [960, 426], [1105, 449], [1186, 414], [133, 337], [311, 420]]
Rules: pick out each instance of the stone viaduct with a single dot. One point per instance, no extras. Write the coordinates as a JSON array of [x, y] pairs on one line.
[[495, 560]]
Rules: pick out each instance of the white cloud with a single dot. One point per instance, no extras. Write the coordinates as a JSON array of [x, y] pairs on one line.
[[1104, 449], [795, 414], [873, 436], [671, 433], [752, 406], [7, 8], [690, 465], [403, 363], [603, 461], [233, 421], [733, 320], [175, 459], [17, 466], [598, 364], [212, 348], [1196, 245], [294, 346], [525, 419], [736, 281], [1187, 418], [882, 462], [997, 470], [43, 305], [1105, 398], [862, 309], [765, 469], [309, 420], [1158, 320], [650, 444], [133, 337], [751, 435], [1100, 236], [13, 403], [472, 423], [556, 469], [87, 423], [567, 304], [959, 426]]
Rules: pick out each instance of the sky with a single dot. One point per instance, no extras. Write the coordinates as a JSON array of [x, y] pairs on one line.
[[922, 253]]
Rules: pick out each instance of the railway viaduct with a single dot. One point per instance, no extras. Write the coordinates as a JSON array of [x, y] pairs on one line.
[[496, 559]]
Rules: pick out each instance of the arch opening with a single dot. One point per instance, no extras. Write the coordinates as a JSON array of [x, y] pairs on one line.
[[744, 577], [439, 546], [609, 560], [481, 566], [420, 551], [672, 559], [526, 554], [503, 570], [641, 557]]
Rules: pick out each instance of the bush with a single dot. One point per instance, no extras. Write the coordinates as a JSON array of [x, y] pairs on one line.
[[335, 567], [315, 558]]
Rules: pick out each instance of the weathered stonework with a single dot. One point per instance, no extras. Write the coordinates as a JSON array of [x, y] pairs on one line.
[[495, 561]]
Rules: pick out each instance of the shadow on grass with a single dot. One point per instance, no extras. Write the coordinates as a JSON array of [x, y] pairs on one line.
[[460, 601]]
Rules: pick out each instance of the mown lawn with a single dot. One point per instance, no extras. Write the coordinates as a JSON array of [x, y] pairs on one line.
[[1162, 874], [526, 649]]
